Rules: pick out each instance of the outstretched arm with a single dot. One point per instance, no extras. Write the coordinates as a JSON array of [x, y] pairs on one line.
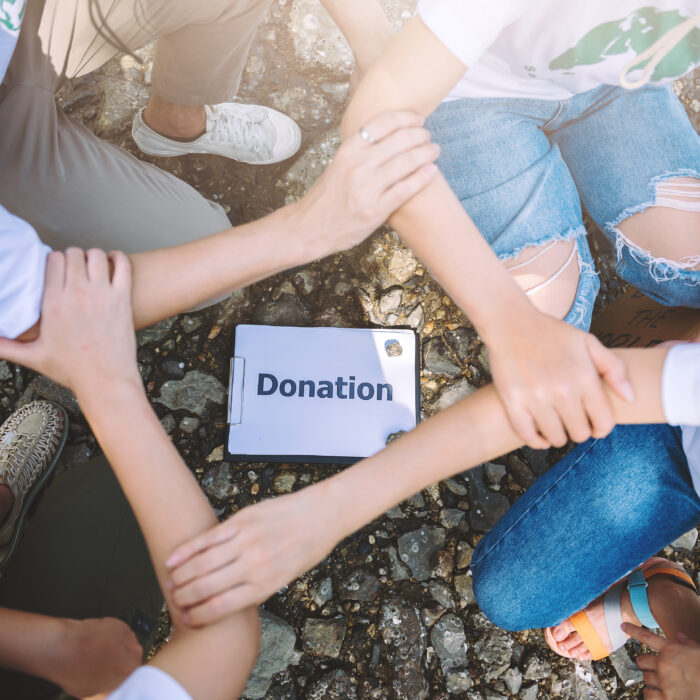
[[547, 386], [87, 344], [260, 549]]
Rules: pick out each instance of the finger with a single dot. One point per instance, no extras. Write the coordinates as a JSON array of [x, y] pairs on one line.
[[220, 606], [651, 679], [97, 265], [611, 368], [598, 410], [18, 352], [76, 268], [385, 124], [653, 694], [647, 662], [397, 195], [524, 425], [212, 584], [205, 563], [55, 275], [121, 270], [549, 425], [397, 144], [575, 419], [406, 163], [645, 636], [215, 536]]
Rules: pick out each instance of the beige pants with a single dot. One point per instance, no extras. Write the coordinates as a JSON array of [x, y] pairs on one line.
[[76, 189]]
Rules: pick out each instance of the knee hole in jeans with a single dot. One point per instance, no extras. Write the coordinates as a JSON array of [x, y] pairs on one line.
[[668, 231], [549, 275]]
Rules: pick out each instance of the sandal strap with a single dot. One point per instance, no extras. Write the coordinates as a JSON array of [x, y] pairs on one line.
[[676, 573], [613, 616], [637, 586], [589, 636]]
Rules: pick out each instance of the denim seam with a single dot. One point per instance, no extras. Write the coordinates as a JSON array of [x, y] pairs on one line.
[[674, 269], [570, 234], [536, 502]]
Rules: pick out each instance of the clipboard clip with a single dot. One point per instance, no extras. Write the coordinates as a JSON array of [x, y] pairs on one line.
[[235, 402]]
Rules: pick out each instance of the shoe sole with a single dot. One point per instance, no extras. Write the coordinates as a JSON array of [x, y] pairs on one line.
[[7, 550]]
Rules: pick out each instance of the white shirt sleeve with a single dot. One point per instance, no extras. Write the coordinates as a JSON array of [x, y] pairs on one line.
[[22, 267], [680, 384], [149, 683], [468, 27]]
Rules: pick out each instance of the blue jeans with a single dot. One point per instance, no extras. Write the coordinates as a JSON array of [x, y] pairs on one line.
[[522, 167], [602, 510]]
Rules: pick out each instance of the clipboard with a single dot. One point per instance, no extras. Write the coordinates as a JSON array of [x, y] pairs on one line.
[[320, 395]]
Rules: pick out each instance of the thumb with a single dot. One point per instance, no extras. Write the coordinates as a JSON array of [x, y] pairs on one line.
[[611, 368], [19, 352]]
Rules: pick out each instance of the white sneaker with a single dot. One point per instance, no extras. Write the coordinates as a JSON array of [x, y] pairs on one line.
[[246, 133]]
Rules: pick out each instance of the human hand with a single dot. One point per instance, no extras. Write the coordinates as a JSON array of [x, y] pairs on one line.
[[549, 378], [250, 556], [673, 674], [95, 656], [86, 338], [367, 182]]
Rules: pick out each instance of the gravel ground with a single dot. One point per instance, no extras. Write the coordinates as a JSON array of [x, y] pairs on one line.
[[390, 614]]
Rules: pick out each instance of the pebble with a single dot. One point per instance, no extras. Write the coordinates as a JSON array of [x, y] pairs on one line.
[[322, 592], [449, 641], [494, 473], [451, 517], [536, 669], [192, 393], [5, 371], [390, 300], [627, 670], [437, 359], [361, 586], [189, 424], [460, 340], [173, 368], [487, 507], [218, 483], [529, 693], [284, 482], [168, 423], [513, 679], [324, 637], [464, 555], [335, 685], [686, 541], [442, 594], [452, 393], [418, 548], [464, 587]]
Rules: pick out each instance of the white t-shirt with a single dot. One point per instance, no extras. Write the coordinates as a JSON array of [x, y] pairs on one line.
[[681, 400], [553, 49], [22, 267], [150, 683]]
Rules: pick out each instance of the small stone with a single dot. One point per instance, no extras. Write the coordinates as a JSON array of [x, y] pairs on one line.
[[464, 587], [173, 368], [192, 393], [286, 311], [520, 471], [218, 484], [399, 571], [5, 371], [464, 555], [444, 564], [494, 473], [537, 459], [336, 685], [458, 680], [451, 517], [416, 319], [430, 614], [417, 550], [442, 594], [155, 333], [322, 592], [417, 500], [168, 423], [487, 507], [284, 482], [390, 300], [461, 339], [216, 455], [627, 670], [456, 488], [686, 541], [449, 641], [529, 693], [452, 393], [360, 586], [393, 348], [402, 265], [513, 679], [536, 669], [189, 424], [190, 324], [46, 389], [395, 513], [324, 637], [437, 359]]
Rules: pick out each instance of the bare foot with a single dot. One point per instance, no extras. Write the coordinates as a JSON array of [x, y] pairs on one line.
[[175, 121]]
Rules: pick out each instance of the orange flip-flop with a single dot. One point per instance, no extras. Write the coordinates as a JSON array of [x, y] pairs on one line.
[[636, 583]]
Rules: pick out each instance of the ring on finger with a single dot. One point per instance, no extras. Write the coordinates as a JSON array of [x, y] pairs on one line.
[[367, 136]]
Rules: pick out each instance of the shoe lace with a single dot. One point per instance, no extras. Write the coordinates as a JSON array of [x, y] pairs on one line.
[[243, 131], [19, 464]]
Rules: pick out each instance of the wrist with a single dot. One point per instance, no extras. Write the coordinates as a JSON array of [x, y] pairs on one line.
[[506, 317], [93, 392]]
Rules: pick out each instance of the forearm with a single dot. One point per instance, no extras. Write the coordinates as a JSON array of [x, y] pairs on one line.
[[172, 280], [364, 25], [468, 433]]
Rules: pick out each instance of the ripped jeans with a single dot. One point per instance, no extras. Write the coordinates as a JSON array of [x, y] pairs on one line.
[[522, 168]]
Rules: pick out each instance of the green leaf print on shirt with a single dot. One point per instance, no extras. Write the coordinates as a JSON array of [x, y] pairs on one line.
[[636, 33], [11, 12]]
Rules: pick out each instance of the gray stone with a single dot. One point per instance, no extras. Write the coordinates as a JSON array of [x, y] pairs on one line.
[[513, 679], [456, 487], [192, 393], [578, 681], [627, 670], [417, 500], [686, 541], [324, 637], [399, 571], [452, 393], [536, 669], [417, 550], [416, 319], [189, 424], [494, 473], [449, 641], [520, 471], [464, 555], [487, 507], [464, 587], [437, 358], [442, 594], [5, 371], [285, 311], [168, 423], [190, 324], [537, 459], [395, 513], [529, 692], [403, 639], [156, 332], [390, 300], [336, 685], [494, 647], [461, 339], [322, 592], [44, 388], [218, 484], [276, 653], [360, 586], [458, 681], [451, 517]]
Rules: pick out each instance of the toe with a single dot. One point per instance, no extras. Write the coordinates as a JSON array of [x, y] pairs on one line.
[[561, 632]]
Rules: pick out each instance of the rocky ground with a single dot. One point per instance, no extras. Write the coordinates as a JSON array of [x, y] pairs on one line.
[[391, 613]]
